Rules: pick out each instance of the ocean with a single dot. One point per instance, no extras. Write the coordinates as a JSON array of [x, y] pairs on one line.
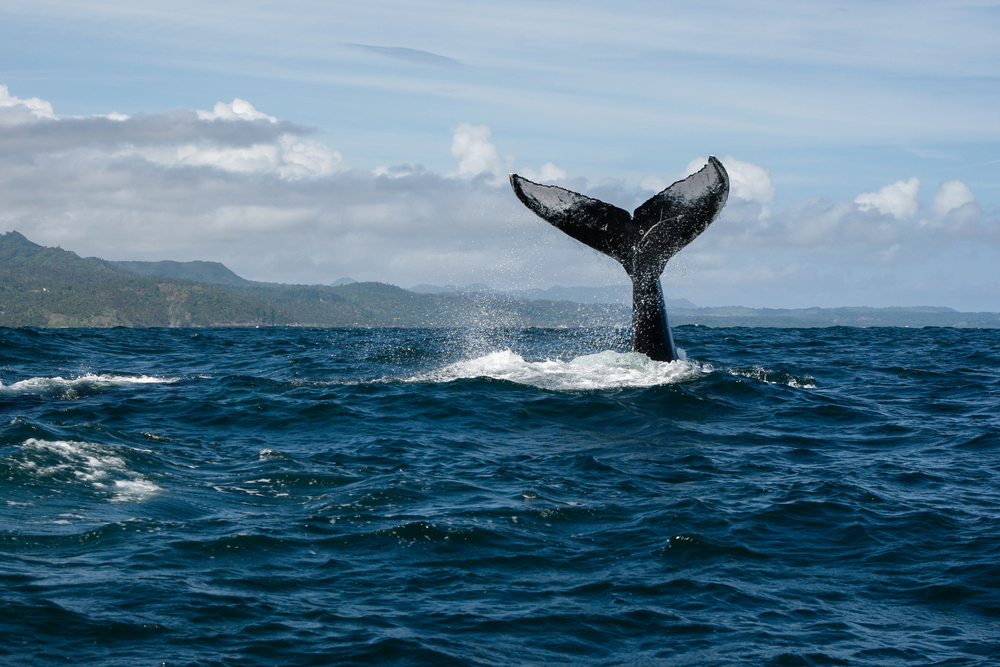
[[290, 496]]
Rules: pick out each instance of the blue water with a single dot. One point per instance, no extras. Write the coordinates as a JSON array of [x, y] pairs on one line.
[[514, 497]]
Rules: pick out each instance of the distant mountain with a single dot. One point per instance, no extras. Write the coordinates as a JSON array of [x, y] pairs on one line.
[[212, 273], [340, 282], [50, 287]]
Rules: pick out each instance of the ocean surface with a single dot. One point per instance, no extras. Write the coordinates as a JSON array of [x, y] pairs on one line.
[[286, 496]]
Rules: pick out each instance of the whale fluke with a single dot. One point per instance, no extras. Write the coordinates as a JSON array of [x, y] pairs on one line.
[[642, 242]]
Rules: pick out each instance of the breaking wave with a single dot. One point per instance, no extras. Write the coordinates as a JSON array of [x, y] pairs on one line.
[[69, 387]]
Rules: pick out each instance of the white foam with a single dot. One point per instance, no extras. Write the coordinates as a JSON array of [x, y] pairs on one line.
[[91, 463], [60, 385], [135, 490], [604, 370], [772, 377]]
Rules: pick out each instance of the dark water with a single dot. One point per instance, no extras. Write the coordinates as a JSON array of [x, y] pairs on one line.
[[416, 497]]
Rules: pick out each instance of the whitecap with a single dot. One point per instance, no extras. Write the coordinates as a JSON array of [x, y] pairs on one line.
[[604, 370], [68, 387], [98, 466]]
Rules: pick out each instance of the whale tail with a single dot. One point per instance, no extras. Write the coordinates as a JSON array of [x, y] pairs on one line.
[[642, 243]]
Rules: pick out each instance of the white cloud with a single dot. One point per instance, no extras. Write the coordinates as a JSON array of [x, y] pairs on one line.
[[898, 200], [747, 181], [305, 158], [399, 170], [259, 157], [238, 110], [289, 157], [178, 138], [477, 155], [14, 110], [951, 195], [548, 173], [286, 155]]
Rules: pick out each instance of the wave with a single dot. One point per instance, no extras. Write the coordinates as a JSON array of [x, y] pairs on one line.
[[101, 467], [604, 370], [68, 387]]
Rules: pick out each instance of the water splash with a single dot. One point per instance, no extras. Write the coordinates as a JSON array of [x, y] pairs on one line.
[[604, 370]]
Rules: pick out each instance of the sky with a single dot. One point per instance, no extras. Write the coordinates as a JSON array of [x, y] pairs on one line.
[[304, 142]]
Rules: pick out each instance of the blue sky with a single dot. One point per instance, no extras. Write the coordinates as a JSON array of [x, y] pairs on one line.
[[372, 139]]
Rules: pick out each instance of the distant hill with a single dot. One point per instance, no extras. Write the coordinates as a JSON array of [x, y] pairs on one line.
[[51, 287]]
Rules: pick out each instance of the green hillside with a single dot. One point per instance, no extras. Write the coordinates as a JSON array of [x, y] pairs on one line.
[[50, 287]]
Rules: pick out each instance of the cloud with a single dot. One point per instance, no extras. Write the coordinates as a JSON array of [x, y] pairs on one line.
[[749, 181], [548, 173], [238, 110], [14, 110], [399, 170], [951, 195], [858, 234], [476, 154], [409, 55], [288, 156], [898, 200], [234, 137]]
